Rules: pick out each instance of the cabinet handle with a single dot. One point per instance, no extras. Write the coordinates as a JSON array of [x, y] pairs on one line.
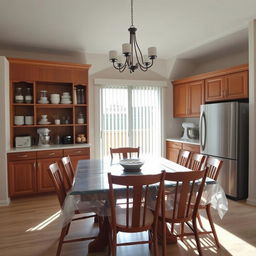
[[34, 165], [22, 156], [52, 154], [38, 165], [78, 152]]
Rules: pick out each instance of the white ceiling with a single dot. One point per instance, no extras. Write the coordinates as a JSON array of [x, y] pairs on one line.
[[97, 26]]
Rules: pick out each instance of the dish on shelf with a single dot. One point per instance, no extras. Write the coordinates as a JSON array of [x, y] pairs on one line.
[[66, 102], [43, 102], [44, 122], [132, 165]]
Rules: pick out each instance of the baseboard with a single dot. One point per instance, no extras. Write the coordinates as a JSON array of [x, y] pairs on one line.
[[251, 201], [5, 202]]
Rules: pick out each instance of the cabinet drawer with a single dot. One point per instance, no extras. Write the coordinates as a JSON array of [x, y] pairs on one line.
[[77, 151], [49, 153], [172, 144], [21, 156], [191, 147]]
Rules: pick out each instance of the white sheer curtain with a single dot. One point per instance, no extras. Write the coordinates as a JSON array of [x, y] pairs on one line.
[[131, 116]]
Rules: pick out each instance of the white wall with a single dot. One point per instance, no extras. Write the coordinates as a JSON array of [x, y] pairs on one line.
[[252, 113], [4, 129], [226, 61]]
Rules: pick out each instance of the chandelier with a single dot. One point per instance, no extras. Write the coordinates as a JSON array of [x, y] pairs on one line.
[[132, 53]]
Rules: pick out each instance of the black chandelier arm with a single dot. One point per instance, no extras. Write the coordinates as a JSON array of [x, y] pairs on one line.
[[118, 67], [136, 44]]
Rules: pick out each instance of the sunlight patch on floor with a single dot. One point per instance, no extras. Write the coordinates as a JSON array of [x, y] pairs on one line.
[[45, 223], [241, 245]]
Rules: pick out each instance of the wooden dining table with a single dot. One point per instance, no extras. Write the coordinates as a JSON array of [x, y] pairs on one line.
[[91, 185]]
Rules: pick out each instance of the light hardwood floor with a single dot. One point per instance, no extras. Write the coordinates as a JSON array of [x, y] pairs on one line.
[[31, 227]]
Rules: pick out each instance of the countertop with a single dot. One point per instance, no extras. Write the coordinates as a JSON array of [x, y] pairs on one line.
[[51, 147], [194, 142]]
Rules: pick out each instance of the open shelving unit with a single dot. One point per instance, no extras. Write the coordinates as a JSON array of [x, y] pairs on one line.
[[55, 78]]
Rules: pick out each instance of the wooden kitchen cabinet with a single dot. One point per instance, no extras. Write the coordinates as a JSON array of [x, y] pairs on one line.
[[180, 100], [187, 99], [22, 177], [221, 85], [28, 171], [44, 182], [173, 149], [237, 85], [77, 154], [214, 88]]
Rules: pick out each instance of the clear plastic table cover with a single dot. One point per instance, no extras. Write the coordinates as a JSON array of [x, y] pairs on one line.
[[90, 189]]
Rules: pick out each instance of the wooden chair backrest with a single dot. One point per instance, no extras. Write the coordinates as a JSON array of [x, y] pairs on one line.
[[196, 161], [57, 179], [69, 171], [186, 194], [135, 189], [183, 157], [124, 152], [214, 165]]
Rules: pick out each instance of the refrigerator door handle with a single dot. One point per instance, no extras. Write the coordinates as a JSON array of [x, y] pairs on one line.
[[203, 130]]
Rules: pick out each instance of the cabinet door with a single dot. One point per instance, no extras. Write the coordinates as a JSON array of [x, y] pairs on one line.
[[191, 147], [22, 177], [180, 100], [44, 182], [237, 85], [214, 88], [195, 98], [172, 154], [75, 159]]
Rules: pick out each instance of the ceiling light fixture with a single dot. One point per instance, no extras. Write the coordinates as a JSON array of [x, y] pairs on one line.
[[132, 53]]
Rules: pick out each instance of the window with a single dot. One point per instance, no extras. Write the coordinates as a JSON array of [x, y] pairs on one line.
[[131, 116]]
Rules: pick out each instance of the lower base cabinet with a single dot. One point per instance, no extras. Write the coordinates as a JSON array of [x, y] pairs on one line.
[[173, 149], [28, 171], [22, 177]]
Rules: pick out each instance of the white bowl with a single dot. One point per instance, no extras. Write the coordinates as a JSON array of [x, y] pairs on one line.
[[55, 101], [132, 165], [55, 95]]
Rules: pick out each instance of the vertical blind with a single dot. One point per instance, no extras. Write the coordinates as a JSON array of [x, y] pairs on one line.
[[131, 116]]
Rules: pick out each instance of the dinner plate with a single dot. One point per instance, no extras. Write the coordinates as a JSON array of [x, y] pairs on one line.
[[131, 165]]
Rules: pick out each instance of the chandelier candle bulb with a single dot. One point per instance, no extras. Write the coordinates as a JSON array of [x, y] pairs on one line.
[[146, 59], [126, 48], [152, 52], [119, 60], [112, 55]]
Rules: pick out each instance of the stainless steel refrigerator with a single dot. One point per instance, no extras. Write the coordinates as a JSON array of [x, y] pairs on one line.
[[224, 134]]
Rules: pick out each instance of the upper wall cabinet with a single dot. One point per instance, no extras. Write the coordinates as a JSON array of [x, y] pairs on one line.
[[229, 87], [187, 99], [222, 85]]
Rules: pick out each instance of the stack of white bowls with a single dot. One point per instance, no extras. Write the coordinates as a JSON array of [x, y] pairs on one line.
[[65, 98], [55, 98]]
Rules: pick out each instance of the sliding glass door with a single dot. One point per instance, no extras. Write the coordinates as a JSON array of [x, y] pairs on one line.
[[131, 116]]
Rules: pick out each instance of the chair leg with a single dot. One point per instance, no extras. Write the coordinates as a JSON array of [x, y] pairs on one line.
[[64, 231], [68, 226], [208, 211], [199, 220], [181, 231], [164, 237], [197, 237], [155, 242]]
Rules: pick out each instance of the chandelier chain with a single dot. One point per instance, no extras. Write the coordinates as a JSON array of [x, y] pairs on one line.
[[132, 12]]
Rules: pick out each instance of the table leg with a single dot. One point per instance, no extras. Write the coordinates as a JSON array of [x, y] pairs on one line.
[[170, 238], [101, 241]]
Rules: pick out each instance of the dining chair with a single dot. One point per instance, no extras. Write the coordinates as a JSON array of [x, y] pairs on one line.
[[124, 153], [184, 198], [196, 162], [214, 165], [69, 171], [183, 157], [56, 177], [135, 215]]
